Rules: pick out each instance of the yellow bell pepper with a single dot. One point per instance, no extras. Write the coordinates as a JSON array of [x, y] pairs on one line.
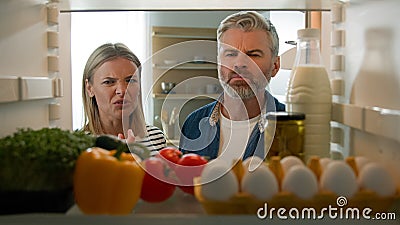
[[107, 182]]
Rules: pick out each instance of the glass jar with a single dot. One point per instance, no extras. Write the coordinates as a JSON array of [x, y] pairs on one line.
[[288, 138]]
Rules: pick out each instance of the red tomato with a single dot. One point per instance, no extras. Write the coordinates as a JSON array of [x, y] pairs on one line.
[[157, 185], [189, 166], [171, 154]]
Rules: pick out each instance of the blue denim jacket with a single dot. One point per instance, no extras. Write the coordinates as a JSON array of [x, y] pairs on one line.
[[201, 130]]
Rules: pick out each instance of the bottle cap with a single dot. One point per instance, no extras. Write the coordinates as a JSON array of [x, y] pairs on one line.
[[308, 33]]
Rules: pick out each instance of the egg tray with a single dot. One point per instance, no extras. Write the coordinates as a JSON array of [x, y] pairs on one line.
[[244, 203]]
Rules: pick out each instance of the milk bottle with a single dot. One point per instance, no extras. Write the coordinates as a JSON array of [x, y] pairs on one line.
[[309, 92], [376, 85]]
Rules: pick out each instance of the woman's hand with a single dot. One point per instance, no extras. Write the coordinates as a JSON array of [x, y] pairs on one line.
[[131, 137], [137, 149]]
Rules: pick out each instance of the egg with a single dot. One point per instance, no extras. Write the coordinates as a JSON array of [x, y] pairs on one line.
[[301, 181], [218, 181], [290, 161], [339, 178], [361, 161], [251, 163], [324, 163], [375, 177], [212, 163], [261, 183]]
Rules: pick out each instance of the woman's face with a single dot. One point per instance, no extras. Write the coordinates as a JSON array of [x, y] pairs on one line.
[[116, 88]]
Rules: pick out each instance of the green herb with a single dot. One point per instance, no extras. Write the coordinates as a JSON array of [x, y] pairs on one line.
[[40, 159]]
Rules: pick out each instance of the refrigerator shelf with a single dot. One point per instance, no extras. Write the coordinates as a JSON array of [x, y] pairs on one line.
[[374, 120], [13, 88]]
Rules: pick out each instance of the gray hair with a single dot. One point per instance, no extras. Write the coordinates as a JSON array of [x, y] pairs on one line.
[[248, 21], [100, 55]]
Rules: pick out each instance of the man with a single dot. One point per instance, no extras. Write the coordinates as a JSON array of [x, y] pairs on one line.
[[232, 127]]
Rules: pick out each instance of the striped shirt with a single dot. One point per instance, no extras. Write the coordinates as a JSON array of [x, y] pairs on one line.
[[155, 140]]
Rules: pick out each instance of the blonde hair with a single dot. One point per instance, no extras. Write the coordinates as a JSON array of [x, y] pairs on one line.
[[249, 21], [102, 54]]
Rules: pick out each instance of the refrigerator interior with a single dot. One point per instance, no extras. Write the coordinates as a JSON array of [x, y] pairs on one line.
[[35, 55], [35, 84], [30, 87], [370, 55]]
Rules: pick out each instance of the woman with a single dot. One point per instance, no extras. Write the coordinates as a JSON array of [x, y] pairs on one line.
[[111, 97]]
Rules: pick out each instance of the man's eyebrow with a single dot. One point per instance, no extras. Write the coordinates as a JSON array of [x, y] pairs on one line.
[[255, 51], [231, 50], [109, 77], [259, 51]]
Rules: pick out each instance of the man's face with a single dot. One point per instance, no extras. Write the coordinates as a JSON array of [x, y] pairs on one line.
[[245, 62]]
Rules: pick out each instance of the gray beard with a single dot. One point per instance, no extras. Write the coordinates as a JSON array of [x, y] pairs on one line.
[[238, 91]]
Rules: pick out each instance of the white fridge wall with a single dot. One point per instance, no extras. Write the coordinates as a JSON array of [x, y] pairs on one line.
[[65, 120], [23, 47], [360, 16]]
